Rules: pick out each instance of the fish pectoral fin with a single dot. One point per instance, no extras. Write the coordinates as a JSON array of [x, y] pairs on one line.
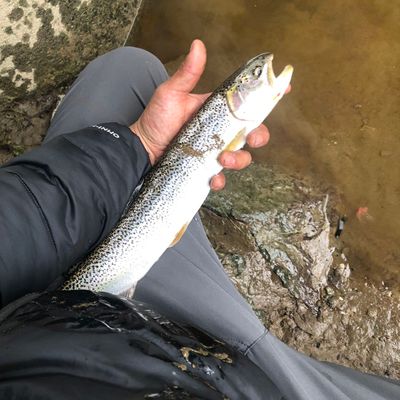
[[238, 141], [179, 235]]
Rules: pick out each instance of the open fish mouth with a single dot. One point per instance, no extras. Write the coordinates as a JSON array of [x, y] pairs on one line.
[[256, 90], [279, 83]]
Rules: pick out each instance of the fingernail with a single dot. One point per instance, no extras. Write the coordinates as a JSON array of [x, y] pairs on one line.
[[191, 46]]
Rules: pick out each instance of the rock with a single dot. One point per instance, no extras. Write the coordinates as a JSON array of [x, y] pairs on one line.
[[340, 275], [272, 234], [44, 44], [288, 225]]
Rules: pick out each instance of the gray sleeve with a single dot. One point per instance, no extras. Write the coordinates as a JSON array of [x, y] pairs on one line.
[[60, 200]]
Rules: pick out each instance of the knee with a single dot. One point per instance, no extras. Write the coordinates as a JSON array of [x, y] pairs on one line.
[[129, 53], [136, 59]]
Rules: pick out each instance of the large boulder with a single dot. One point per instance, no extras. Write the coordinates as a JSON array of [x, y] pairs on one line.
[[43, 46]]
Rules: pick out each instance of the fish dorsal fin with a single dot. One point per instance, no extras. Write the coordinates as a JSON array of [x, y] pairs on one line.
[[237, 142], [179, 235]]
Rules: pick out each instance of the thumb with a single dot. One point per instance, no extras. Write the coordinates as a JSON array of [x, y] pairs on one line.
[[186, 77]]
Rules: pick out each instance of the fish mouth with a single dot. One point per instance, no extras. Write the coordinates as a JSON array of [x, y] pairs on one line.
[[279, 83], [246, 95]]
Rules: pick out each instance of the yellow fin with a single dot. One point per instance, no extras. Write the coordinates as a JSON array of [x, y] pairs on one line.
[[179, 235], [237, 142]]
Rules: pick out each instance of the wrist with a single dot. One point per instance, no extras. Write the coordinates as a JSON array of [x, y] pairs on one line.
[[137, 130]]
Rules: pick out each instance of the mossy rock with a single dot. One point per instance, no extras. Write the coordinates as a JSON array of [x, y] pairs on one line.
[[46, 43]]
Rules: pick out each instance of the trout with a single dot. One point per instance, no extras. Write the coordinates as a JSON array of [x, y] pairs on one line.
[[176, 187]]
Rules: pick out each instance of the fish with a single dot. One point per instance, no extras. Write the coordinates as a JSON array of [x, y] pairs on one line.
[[176, 187]]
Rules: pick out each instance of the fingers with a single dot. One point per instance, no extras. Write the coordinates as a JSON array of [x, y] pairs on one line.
[[217, 182], [190, 71], [258, 137], [232, 160], [235, 159], [241, 158]]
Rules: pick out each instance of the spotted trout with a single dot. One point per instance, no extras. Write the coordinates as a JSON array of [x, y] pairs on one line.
[[174, 190]]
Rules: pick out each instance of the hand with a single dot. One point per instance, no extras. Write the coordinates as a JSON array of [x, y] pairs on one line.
[[172, 105]]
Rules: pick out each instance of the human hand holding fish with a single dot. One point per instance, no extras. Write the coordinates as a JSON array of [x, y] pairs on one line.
[[173, 104], [211, 128]]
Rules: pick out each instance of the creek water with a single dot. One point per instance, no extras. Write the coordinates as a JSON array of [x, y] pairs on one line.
[[341, 122]]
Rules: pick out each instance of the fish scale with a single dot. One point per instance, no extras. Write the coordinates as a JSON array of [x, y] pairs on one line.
[[176, 187]]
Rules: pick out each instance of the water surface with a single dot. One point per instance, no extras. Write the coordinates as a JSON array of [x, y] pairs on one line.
[[340, 124]]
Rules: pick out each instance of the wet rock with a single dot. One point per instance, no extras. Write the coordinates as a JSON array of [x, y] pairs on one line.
[[44, 45], [25, 123], [288, 225], [272, 234], [340, 275]]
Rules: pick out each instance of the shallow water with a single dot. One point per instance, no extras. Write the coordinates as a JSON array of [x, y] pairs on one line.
[[341, 122]]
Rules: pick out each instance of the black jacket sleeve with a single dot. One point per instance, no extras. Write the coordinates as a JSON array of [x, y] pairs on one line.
[[60, 200]]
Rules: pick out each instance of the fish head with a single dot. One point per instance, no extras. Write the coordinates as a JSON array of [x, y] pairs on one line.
[[254, 90]]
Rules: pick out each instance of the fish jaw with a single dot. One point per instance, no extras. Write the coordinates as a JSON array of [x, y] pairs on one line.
[[253, 92]]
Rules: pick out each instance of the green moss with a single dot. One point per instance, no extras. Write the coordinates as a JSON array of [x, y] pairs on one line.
[[16, 14], [17, 150], [23, 3], [25, 37], [8, 30]]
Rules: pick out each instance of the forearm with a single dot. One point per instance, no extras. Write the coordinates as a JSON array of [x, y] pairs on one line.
[[60, 200]]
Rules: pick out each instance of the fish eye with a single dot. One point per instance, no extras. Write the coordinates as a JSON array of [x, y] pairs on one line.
[[257, 72]]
